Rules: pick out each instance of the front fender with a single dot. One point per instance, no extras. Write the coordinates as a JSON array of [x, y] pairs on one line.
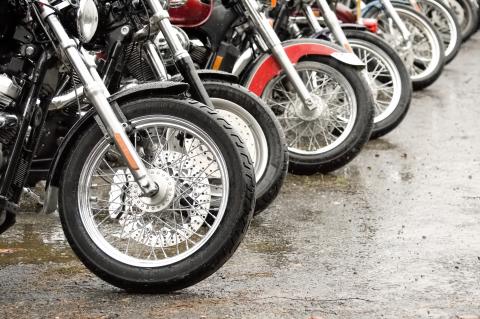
[[153, 89], [265, 68], [217, 75]]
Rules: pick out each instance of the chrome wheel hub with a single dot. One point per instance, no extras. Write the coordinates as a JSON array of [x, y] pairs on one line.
[[309, 115]]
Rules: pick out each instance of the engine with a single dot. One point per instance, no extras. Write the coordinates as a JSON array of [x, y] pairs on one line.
[[14, 39], [9, 92]]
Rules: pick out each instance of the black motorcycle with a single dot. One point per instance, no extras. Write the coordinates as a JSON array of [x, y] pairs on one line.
[[151, 186], [131, 57]]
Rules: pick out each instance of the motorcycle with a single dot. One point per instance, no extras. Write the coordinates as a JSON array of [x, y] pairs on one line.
[[385, 71], [315, 88], [151, 186], [409, 32], [131, 55]]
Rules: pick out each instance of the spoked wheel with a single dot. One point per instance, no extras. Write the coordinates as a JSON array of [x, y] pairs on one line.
[[467, 16], [424, 55], [261, 133], [388, 79], [165, 243], [446, 23], [330, 136]]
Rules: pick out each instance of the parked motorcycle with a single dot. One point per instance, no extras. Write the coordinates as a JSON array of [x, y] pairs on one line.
[[410, 33], [314, 87], [385, 71], [151, 186], [131, 56]]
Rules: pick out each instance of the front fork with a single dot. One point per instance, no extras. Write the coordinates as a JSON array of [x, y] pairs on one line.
[[390, 10], [97, 93], [182, 59], [330, 19], [333, 25], [274, 44]]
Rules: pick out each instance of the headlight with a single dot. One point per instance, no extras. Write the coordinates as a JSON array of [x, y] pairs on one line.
[[87, 20]]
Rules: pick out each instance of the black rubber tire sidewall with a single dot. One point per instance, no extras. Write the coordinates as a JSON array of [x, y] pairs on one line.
[[268, 187], [208, 258]]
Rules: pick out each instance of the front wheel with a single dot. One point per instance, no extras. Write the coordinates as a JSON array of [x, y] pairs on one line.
[[446, 23], [333, 134], [467, 17], [388, 78], [424, 55], [144, 244]]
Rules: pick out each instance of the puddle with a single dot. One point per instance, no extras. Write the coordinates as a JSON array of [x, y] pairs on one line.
[[269, 240], [380, 145], [35, 239]]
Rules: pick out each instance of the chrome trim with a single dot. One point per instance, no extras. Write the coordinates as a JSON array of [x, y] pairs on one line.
[[390, 10], [275, 45], [96, 95]]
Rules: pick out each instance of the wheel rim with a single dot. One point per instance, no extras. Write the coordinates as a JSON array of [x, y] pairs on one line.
[[422, 58], [121, 226], [383, 77], [335, 123], [250, 131], [443, 23]]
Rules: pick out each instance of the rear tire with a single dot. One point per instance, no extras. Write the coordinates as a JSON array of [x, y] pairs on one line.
[[118, 267]]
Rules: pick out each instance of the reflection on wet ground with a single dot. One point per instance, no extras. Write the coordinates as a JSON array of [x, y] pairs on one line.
[[35, 240], [395, 234]]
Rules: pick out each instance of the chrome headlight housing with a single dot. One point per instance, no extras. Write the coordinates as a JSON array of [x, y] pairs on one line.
[[87, 20]]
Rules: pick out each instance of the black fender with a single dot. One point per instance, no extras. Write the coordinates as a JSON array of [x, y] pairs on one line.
[[324, 33], [152, 89], [217, 75]]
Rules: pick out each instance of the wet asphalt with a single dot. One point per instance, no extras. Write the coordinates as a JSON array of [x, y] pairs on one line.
[[395, 234]]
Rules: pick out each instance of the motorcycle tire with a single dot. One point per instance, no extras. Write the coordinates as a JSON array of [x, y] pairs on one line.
[[349, 140], [468, 17], [373, 51], [430, 73], [446, 23], [273, 172], [189, 122]]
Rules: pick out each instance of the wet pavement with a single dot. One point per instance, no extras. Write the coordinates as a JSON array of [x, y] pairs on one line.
[[395, 234]]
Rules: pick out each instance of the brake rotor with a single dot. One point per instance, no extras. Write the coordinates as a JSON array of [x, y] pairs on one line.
[[180, 214]]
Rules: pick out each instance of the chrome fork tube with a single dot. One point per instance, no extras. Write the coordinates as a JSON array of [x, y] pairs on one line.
[[156, 61], [96, 94], [182, 58], [333, 24], [275, 45], [387, 4], [311, 18]]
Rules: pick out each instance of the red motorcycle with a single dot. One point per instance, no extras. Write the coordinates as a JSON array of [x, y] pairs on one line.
[[314, 87]]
